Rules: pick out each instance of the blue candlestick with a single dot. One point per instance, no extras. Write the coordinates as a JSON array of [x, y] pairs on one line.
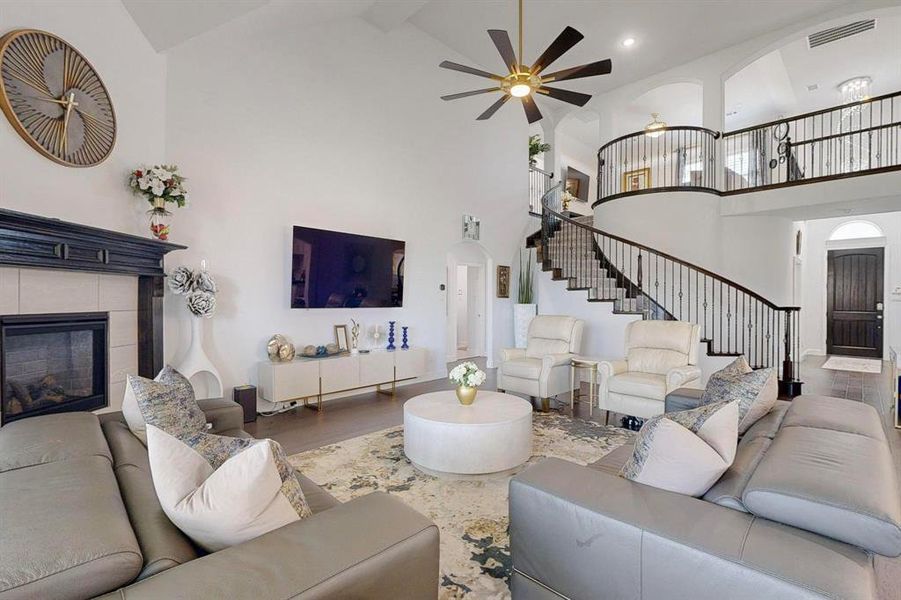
[[405, 345], [391, 335]]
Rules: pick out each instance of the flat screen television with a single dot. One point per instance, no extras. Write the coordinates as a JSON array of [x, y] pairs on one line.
[[331, 269]]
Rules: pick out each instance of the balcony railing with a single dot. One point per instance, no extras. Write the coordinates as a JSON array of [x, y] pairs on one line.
[[852, 139], [669, 159], [539, 183]]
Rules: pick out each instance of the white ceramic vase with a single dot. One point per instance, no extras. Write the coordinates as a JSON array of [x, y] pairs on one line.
[[196, 361], [522, 316]]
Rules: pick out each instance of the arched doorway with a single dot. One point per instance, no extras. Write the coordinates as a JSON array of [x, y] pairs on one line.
[[470, 273]]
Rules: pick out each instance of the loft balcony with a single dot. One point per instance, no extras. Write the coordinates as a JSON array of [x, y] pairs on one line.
[[851, 140]]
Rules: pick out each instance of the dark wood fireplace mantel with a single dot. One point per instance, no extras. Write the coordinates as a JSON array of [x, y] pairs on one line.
[[37, 242], [44, 243]]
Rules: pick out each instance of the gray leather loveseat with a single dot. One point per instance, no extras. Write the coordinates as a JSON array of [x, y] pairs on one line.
[[812, 494], [79, 518]]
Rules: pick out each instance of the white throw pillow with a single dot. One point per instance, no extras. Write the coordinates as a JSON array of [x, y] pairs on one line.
[[687, 451], [755, 391], [166, 401], [221, 491]]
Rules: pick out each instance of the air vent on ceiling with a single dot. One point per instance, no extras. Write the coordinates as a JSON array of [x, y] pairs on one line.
[[837, 33]]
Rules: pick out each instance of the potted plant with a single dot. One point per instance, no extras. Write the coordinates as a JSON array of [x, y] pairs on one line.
[[467, 377], [525, 308], [160, 185], [536, 148]]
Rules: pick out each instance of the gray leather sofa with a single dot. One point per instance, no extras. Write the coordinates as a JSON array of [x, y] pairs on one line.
[[79, 518], [811, 496]]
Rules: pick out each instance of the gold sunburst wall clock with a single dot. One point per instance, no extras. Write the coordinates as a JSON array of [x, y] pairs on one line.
[[55, 99]]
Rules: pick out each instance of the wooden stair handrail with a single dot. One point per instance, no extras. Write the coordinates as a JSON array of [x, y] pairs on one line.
[[664, 255]]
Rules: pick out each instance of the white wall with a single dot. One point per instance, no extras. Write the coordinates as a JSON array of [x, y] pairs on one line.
[[134, 74], [813, 279], [278, 126], [753, 251]]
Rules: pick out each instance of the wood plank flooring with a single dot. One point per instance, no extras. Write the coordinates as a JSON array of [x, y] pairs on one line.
[[344, 418]]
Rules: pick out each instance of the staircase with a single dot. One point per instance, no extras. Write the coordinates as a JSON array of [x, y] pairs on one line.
[[640, 280]]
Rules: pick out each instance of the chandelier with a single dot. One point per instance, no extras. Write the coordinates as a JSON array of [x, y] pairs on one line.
[[855, 90], [655, 127]]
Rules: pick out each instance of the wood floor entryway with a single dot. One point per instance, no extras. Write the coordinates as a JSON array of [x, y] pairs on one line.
[[854, 302]]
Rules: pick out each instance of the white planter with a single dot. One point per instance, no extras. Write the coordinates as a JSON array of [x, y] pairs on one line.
[[196, 361], [522, 316]]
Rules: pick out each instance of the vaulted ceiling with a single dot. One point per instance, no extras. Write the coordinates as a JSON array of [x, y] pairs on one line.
[[667, 32], [796, 78]]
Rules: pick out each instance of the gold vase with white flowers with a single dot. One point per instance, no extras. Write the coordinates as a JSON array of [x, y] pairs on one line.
[[467, 377]]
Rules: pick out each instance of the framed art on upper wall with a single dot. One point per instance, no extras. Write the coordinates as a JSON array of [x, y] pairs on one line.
[[577, 184], [471, 228], [503, 281], [639, 179]]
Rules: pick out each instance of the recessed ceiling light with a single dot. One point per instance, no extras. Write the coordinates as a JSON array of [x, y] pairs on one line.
[[628, 42]]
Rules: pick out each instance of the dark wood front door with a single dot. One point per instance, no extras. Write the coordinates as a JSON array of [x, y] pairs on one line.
[[854, 302]]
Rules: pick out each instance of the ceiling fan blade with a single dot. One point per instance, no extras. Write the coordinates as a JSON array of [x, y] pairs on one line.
[[601, 67], [472, 93], [470, 70], [493, 108], [566, 40], [501, 40], [577, 98], [532, 112]]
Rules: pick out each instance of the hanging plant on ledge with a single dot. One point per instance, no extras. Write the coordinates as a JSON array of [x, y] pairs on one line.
[[536, 147], [160, 185]]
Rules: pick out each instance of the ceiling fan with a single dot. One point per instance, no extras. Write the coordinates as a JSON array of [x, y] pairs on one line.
[[524, 82]]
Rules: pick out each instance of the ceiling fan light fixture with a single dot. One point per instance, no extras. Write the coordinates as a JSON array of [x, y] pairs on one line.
[[528, 82], [655, 127], [628, 42], [520, 89]]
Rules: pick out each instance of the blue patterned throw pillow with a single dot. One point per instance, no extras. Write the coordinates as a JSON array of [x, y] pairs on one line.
[[221, 491], [755, 391], [166, 402], [687, 451]]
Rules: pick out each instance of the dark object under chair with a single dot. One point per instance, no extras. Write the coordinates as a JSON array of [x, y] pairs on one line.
[[632, 423]]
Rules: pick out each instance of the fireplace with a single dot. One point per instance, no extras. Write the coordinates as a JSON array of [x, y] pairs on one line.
[[53, 363]]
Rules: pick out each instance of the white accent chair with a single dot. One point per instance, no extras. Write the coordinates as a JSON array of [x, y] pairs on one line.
[[661, 356], [541, 369]]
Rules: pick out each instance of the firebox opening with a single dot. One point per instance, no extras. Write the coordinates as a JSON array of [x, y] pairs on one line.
[[53, 363]]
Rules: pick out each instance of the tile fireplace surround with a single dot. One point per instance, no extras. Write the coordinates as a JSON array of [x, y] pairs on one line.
[[48, 266], [41, 291]]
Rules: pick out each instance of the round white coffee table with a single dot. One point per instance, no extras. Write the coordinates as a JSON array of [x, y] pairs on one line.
[[493, 434]]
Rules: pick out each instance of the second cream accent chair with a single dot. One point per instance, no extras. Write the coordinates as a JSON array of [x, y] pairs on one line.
[[661, 356], [541, 369]]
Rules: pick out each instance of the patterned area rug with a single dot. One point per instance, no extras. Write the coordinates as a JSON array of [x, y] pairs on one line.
[[471, 514], [856, 365]]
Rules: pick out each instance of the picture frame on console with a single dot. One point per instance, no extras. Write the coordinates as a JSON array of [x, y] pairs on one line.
[[341, 338]]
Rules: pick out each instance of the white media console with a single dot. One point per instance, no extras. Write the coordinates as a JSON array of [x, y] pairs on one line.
[[312, 378]]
